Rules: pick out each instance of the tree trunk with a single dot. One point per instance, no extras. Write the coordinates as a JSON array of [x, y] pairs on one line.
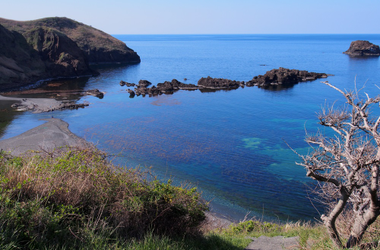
[[362, 222], [330, 220]]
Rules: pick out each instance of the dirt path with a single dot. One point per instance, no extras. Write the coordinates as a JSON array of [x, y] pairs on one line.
[[273, 243]]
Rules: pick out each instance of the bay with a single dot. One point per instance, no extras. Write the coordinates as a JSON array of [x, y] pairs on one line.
[[231, 144]]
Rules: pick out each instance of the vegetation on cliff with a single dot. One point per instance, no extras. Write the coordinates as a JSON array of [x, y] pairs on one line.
[[78, 200], [67, 200]]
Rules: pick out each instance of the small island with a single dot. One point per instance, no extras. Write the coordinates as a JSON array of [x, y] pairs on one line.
[[362, 48]]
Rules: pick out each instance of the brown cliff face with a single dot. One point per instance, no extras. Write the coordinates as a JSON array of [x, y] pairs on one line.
[[62, 56], [52, 48], [363, 48], [100, 47], [19, 63]]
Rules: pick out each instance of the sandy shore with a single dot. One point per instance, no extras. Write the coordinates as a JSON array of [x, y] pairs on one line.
[[55, 135], [50, 136], [40, 105]]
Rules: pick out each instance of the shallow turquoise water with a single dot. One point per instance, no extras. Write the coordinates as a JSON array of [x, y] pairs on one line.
[[229, 143]]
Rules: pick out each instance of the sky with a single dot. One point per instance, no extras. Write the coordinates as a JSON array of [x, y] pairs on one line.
[[207, 16]]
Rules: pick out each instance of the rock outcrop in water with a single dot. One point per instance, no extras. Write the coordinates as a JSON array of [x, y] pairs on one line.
[[285, 77], [142, 88], [218, 83], [275, 77], [54, 48], [363, 48]]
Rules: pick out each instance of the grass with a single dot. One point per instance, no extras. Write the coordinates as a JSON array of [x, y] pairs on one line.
[[78, 200]]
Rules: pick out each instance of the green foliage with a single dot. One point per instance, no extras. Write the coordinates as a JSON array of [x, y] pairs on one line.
[[257, 227], [78, 198], [79, 201]]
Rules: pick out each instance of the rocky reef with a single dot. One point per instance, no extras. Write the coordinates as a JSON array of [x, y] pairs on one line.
[[274, 77], [363, 48], [218, 83], [54, 48], [285, 77]]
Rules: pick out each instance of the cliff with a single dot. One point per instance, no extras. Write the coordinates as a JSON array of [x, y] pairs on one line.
[[100, 47], [52, 48], [20, 64]]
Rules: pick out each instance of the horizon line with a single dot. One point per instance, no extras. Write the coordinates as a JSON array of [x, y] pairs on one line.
[[207, 34]]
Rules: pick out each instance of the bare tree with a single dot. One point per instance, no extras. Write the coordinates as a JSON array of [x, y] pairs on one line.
[[347, 165]]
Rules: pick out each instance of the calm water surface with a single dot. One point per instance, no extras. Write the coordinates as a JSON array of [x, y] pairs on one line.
[[231, 144]]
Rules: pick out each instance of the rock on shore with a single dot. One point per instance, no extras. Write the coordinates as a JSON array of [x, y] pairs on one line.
[[363, 48]]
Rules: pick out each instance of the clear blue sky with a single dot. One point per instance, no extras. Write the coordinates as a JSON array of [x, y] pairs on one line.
[[207, 16]]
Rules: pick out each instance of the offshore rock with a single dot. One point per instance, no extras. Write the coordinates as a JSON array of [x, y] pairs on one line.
[[218, 83], [144, 84], [161, 88], [170, 87], [96, 93], [285, 77], [123, 83], [131, 93], [363, 48]]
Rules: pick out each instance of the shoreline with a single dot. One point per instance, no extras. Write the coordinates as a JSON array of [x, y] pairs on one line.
[[54, 136]]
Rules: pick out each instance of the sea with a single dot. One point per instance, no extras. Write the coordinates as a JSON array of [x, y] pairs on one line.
[[237, 147]]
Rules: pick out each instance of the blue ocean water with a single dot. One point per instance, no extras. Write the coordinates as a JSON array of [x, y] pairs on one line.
[[233, 145]]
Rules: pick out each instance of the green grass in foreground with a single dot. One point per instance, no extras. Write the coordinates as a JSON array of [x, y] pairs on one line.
[[78, 200]]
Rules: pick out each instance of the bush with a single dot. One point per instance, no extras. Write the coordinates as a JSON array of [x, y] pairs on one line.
[[66, 200]]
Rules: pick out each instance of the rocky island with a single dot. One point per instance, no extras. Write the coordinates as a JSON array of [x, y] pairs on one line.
[[54, 48], [363, 48]]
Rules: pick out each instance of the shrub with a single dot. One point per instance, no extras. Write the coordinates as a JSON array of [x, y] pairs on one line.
[[64, 199]]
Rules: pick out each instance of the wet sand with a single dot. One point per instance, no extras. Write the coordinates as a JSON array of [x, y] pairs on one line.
[[40, 105], [53, 135]]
